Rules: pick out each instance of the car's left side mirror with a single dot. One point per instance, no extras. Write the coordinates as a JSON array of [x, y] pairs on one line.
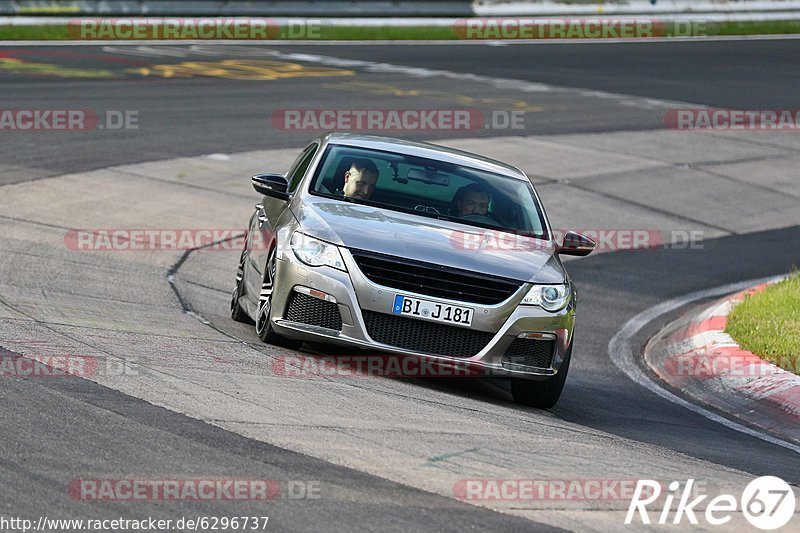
[[576, 244], [274, 185]]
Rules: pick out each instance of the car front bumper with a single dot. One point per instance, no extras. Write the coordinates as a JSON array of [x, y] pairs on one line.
[[354, 295]]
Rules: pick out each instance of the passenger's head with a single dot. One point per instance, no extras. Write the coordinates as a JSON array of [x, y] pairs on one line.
[[472, 199], [359, 181]]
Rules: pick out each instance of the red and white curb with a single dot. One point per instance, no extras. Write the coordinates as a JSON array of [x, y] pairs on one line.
[[696, 356]]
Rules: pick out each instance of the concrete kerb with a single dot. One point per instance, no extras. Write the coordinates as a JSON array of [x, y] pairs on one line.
[[694, 355]]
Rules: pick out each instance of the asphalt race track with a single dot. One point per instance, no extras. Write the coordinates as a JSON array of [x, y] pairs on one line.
[[198, 396], [194, 115]]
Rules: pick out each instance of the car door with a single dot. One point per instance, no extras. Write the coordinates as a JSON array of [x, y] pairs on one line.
[[268, 212]]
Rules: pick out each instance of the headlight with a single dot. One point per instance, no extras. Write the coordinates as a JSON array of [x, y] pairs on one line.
[[314, 252], [548, 297]]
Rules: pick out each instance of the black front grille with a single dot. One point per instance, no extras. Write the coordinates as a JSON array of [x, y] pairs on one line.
[[530, 352], [313, 311], [424, 337], [434, 280]]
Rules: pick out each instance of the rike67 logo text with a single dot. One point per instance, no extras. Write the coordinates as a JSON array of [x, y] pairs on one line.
[[767, 503]]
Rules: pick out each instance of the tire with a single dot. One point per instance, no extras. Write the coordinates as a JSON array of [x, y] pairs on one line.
[[263, 316], [237, 313], [541, 394]]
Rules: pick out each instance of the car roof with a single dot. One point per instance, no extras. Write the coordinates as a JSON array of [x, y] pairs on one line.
[[426, 150]]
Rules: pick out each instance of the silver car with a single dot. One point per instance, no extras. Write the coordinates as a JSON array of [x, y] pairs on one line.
[[412, 249]]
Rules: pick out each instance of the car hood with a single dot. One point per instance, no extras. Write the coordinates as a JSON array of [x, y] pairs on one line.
[[430, 240]]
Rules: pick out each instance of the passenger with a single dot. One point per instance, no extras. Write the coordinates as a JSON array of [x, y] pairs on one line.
[[472, 199], [360, 180]]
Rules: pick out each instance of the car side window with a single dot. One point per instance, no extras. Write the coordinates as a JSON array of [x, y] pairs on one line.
[[300, 170]]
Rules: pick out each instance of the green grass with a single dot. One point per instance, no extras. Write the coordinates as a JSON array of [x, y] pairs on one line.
[[331, 33], [768, 323], [349, 33], [775, 27], [413, 33], [28, 33]]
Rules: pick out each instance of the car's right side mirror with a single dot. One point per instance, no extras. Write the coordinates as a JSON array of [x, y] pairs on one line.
[[576, 244]]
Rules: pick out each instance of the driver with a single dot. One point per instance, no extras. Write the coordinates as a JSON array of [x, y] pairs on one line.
[[472, 199], [360, 180]]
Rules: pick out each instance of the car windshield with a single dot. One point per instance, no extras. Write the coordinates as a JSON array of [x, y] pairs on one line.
[[429, 188]]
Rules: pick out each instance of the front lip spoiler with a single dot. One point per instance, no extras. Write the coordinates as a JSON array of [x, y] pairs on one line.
[[488, 370]]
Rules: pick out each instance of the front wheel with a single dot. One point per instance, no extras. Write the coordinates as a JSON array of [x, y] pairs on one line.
[[263, 317], [541, 394]]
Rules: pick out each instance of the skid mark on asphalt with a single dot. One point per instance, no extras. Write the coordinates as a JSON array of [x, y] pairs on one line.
[[19, 66], [399, 71], [233, 69], [239, 69], [473, 461], [257, 69]]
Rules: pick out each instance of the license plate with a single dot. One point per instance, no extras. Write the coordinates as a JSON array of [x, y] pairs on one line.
[[435, 312]]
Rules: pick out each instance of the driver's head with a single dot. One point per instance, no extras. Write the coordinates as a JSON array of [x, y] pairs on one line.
[[472, 199], [359, 181]]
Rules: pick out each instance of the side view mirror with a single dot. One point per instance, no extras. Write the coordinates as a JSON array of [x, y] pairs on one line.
[[576, 244], [273, 185]]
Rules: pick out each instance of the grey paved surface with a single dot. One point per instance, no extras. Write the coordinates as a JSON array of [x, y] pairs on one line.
[[192, 113]]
